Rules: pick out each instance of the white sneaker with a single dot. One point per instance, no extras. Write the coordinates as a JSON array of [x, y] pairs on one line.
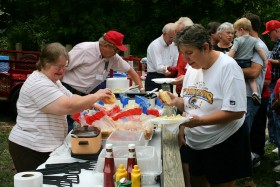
[[277, 169], [275, 150], [277, 162], [256, 159]]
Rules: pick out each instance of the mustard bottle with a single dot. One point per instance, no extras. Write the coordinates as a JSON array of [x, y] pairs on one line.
[[121, 173], [136, 177]]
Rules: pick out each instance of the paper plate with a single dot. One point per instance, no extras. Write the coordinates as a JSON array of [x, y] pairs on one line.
[[163, 80], [170, 121]]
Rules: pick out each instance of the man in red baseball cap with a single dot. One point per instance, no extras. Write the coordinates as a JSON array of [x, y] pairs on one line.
[[116, 39], [90, 63], [271, 25], [273, 30]]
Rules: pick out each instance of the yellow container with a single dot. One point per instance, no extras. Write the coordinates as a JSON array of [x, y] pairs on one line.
[[136, 177], [121, 172]]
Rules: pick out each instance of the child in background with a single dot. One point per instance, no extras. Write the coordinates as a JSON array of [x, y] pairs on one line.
[[243, 49]]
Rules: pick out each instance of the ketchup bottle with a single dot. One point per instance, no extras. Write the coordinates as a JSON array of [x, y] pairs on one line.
[[109, 167], [131, 160]]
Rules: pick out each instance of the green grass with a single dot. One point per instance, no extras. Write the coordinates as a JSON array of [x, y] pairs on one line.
[[7, 170], [263, 175]]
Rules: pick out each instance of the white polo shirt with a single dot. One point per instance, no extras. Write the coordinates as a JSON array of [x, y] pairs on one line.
[[86, 69], [159, 54]]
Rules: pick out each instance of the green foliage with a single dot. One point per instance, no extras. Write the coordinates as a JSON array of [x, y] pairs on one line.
[[31, 34], [141, 21], [6, 164]]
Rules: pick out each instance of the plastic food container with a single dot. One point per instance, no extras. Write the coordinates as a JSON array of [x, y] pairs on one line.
[[147, 159], [123, 138]]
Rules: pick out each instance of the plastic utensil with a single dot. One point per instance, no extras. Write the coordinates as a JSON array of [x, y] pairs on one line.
[[72, 177], [89, 165], [57, 170], [151, 92], [59, 183]]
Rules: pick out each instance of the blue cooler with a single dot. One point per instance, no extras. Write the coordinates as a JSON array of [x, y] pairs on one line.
[[4, 66]]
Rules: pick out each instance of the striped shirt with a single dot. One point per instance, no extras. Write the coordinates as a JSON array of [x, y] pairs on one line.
[[275, 54], [34, 129]]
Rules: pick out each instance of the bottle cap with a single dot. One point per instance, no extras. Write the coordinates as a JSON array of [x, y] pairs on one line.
[[131, 146], [109, 146]]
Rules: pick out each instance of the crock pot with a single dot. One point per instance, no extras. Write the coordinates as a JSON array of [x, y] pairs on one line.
[[86, 140]]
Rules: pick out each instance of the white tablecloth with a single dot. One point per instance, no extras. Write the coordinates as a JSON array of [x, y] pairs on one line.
[[93, 178]]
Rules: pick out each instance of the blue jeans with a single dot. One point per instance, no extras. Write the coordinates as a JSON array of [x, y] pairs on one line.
[[271, 125], [252, 109], [257, 134], [276, 118]]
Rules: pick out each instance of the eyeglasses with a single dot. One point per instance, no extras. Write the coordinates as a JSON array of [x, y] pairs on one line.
[[114, 47], [59, 67]]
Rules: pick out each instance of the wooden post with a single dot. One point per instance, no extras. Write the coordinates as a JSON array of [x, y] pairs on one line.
[[18, 48], [127, 52], [68, 47]]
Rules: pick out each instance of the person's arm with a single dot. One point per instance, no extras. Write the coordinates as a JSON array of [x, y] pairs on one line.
[[70, 105], [253, 71], [263, 56], [178, 80], [268, 78], [220, 117], [177, 101], [231, 53], [136, 79], [275, 62]]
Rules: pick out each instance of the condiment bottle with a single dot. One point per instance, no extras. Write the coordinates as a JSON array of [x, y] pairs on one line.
[[109, 167], [136, 177], [121, 173], [131, 160], [123, 182]]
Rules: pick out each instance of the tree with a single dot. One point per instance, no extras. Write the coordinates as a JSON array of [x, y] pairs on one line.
[[141, 21]]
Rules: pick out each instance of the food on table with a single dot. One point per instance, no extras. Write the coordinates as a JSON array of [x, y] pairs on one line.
[[171, 117], [163, 95], [109, 100]]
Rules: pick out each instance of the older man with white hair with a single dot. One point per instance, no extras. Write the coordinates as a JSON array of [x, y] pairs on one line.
[[161, 53], [179, 70]]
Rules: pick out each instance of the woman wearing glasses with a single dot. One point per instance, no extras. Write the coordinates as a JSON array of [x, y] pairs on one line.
[[215, 136], [42, 107]]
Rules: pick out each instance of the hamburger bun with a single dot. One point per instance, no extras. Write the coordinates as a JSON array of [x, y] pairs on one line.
[[163, 95], [109, 100]]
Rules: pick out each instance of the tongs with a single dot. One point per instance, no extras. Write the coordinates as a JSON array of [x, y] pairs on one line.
[[131, 87], [57, 170], [88, 165], [73, 178], [151, 92], [59, 183]]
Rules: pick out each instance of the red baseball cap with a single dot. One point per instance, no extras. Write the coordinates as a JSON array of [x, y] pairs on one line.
[[271, 25], [115, 38]]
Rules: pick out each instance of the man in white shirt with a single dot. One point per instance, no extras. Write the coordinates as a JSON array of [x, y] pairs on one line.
[[161, 53], [90, 63]]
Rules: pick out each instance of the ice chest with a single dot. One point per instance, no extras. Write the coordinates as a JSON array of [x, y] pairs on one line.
[[147, 159], [123, 138], [4, 66]]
